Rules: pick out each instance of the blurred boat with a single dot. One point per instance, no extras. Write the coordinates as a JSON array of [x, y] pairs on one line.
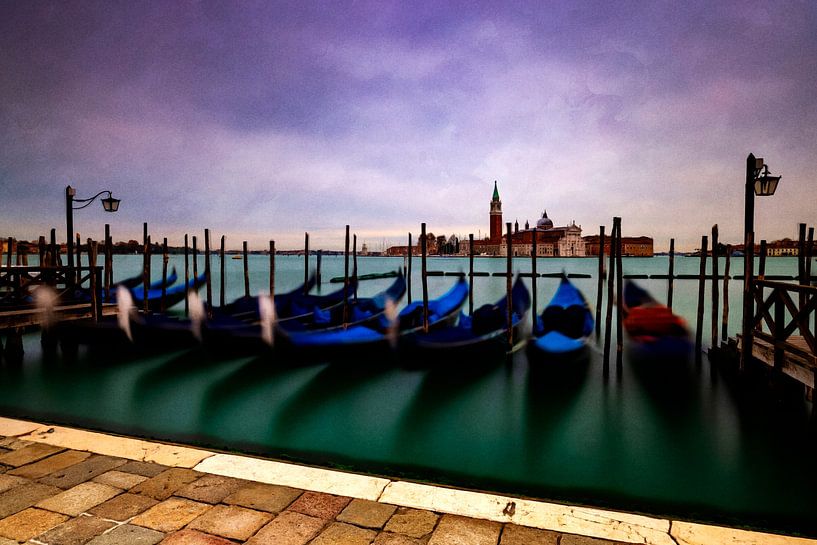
[[565, 325], [653, 329]]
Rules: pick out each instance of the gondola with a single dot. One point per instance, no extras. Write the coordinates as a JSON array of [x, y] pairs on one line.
[[565, 325], [224, 333], [373, 336], [173, 294], [653, 329], [476, 340]]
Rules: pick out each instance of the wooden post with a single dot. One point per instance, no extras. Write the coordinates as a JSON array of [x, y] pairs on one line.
[[145, 266], [55, 250], [725, 319], [408, 275], [509, 283], [471, 274], [809, 253], [79, 261], [533, 255], [801, 258], [600, 283], [779, 326], [423, 275], [272, 269], [207, 275], [306, 263], [354, 264], [671, 273], [611, 277], [761, 267], [318, 278], [701, 291], [108, 262], [346, 277], [715, 291], [619, 298], [195, 260], [246, 270], [10, 242], [747, 337], [43, 252], [164, 274], [92, 280], [186, 276], [18, 256], [221, 275]]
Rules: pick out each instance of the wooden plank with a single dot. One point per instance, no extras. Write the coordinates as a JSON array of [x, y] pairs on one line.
[[795, 366]]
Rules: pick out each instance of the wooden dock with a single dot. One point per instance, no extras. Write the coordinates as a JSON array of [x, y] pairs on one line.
[[797, 363], [30, 317]]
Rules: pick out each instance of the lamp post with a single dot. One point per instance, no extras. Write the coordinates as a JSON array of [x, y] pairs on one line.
[[109, 204], [758, 182]]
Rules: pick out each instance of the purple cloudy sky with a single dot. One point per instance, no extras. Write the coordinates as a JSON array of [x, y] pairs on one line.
[[267, 119]]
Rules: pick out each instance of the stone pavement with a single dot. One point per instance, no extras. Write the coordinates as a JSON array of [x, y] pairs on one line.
[[56, 496]]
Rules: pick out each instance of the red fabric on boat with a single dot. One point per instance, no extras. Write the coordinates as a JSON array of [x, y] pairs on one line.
[[654, 321]]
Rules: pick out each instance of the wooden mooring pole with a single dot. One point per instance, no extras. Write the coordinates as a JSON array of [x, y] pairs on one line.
[[533, 255], [509, 283], [600, 283], [671, 272], [108, 262], [246, 269], [761, 266], [186, 275], [715, 288], [725, 319], [145, 267], [619, 299], [195, 259], [354, 264], [408, 275], [471, 274], [222, 274], [318, 278], [207, 275], [346, 277], [611, 277], [79, 260], [424, 274], [701, 291], [164, 274], [96, 304], [306, 263], [41, 248], [272, 269]]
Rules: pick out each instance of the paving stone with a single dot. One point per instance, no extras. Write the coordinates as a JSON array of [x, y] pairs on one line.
[[17, 499], [264, 497], [12, 443], [513, 534], [387, 538], [171, 515], [79, 499], [83, 471], [29, 523], [210, 488], [50, 464], [146, 469], [163, 485], [7, 482], [339, 533], [573, 539], [119, 479], [28, 454], [288, 528], [123, 507], [130, 535], [231, 521], [457, 530], [193, 537], [369, 514], [412, 522], [76, 531], [320, 505]]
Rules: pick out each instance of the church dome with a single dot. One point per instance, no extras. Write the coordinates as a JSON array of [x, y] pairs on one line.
[[544, 222]]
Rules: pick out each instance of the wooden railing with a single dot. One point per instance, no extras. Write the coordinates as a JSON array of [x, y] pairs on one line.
[[784, 309], [17, 285]]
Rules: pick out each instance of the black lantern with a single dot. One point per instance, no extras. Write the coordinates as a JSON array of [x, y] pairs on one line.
[[112, 205]]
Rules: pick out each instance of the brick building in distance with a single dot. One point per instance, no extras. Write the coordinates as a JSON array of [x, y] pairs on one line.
[[630, 246]]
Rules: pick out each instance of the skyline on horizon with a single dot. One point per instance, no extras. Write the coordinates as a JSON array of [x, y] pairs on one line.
[[281, 118]]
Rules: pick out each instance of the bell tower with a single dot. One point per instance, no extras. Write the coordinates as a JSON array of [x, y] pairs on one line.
[[496, 217]]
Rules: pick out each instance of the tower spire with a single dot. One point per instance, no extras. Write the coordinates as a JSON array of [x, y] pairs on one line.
[[496, 193]]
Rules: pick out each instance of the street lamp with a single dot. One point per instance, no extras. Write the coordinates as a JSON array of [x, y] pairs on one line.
[[109, 204], [761, 183]]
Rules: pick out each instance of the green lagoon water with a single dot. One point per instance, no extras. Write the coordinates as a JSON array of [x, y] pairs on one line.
[[711, 448]]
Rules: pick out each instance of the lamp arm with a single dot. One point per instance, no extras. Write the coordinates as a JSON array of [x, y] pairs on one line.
[[90, 200]]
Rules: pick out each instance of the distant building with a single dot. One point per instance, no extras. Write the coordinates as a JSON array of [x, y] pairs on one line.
[[550, 241], [630, 246]]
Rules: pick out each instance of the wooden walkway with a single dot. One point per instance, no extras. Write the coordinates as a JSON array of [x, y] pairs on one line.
[[13, 319], [798, 362]]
